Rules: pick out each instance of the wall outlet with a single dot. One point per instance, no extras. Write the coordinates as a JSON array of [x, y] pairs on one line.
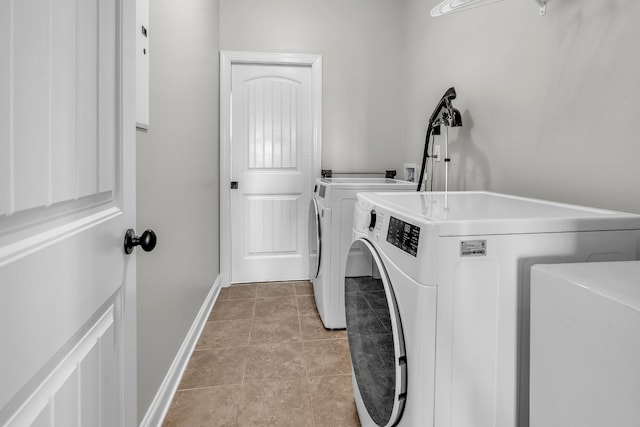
[[410, 172], [436, 152]]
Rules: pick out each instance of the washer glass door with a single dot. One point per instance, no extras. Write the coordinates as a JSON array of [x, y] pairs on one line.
[[315, 240], [376, 341]]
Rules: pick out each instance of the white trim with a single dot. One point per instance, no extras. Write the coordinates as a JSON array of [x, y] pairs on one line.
[[227, 58], [162, 401]]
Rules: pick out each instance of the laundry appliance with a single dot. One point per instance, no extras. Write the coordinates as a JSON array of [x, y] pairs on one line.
[[330, 229], [438, 328], [585, 351]]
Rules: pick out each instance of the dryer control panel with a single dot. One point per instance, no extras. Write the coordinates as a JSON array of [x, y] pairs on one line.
[[403, 235]]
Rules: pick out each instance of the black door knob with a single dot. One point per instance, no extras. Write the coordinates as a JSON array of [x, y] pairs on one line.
[[147, 241]]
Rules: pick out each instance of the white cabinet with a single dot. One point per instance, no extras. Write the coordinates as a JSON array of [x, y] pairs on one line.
[[585, 345]]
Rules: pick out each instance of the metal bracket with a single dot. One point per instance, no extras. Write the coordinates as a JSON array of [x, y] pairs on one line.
[[328, 173], [445, 6]]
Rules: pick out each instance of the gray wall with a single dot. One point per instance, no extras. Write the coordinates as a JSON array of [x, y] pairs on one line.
[[550, 104], [359, 41], [177, 183]]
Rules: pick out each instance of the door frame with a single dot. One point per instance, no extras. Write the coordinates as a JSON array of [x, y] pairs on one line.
[[227, 59]]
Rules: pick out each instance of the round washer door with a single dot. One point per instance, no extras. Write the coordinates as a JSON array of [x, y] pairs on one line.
[[376, 341], [315, 240]]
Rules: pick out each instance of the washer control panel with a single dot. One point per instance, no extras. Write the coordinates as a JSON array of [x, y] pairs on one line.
[[403, 235]]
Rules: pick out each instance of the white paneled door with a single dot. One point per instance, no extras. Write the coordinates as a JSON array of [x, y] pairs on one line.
[[67, 195], [271, 162]]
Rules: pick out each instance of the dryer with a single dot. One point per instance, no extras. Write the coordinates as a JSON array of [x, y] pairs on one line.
[[330, 227], [438, 328]]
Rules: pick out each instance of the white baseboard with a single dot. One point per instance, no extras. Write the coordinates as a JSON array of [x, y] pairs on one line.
[[160, 405]]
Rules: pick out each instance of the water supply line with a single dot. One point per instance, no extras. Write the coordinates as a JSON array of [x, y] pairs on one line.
[[447, 160], [443, 115]]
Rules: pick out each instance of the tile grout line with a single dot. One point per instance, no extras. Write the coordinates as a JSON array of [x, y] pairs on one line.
[[246, 360], [306, 369], [253, 314], [206, 387]]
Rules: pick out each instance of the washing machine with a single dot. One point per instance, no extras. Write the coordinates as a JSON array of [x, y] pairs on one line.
[[438, 329], [330, 227]]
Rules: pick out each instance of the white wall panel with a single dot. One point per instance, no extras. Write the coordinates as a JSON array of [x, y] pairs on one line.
[[54, 104], [287, 123], [109, 389], [254, 238], [63, 114], [276, 127], [272, 122], [89, 388], [5, 106], [272, 223], [87, 97], [255, 118], [295, 126], [57, 100], [267, 129], [66, 402], [31, 103], [107, 95], [45, 418]]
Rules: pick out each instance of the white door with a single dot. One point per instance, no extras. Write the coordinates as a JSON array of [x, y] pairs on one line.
[[67, 195], [272, 162]]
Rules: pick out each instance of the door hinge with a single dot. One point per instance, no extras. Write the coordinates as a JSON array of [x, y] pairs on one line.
[[234, 185]]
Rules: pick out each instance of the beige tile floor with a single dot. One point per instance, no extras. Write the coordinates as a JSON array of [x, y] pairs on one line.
[[264, 359]]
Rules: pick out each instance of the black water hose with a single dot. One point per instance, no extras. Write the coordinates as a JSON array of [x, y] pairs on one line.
[[425, 156]]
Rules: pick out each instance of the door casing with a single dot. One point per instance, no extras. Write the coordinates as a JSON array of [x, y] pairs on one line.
[[227, 59]]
